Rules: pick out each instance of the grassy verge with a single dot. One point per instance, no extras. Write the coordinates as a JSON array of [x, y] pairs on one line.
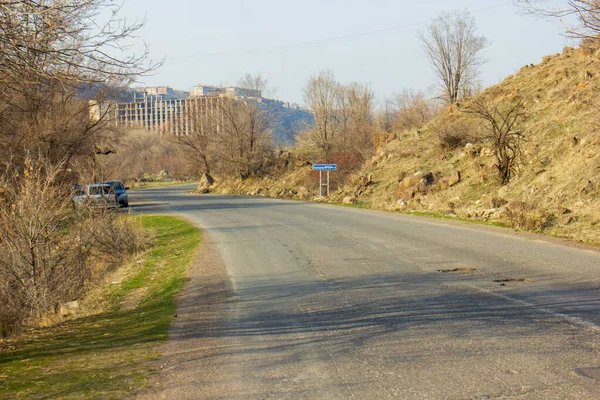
[[107, 355]]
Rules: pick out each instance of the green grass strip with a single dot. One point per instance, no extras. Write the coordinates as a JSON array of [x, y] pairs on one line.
[[107, 356]]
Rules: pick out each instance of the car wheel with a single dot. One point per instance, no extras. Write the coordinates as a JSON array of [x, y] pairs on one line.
[[126, 204]]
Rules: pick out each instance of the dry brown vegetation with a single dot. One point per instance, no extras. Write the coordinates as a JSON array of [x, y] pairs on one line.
[[55, 56], [136, 153], [233, 139], [50, 254]]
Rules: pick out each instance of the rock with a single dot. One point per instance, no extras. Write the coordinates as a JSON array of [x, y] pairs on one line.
[[564, 211], [454, 178], [402, 203], [423, 186], [69, 308], [498, 202], [164, 173], [205, 183], [401, 176], [143, 179], [409, 182], [566, 219], [486, 152], [405, 193], [428, 178], [349, 200], [471, 150]]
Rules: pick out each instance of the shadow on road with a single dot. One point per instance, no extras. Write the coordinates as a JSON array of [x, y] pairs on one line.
[[273, 315]]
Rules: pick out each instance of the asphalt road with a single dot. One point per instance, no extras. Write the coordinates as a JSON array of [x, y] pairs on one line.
[[325, 302]]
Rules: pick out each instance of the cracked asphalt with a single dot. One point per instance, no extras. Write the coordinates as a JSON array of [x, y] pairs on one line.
[[293, 300]]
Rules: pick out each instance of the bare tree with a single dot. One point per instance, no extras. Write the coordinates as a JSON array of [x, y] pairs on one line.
[[343, 115], [243, 137], [322, 94], [386, 115], [55, 55], [505, 135], [453, 47], [359, 130], [64, 40], [232, 139], [585, 12], [200, 143], [257, 82], [412, 109]]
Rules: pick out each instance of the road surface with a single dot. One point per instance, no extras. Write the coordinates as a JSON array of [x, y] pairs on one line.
[[309, 301]]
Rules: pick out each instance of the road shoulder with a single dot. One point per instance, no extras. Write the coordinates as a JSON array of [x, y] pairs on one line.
[[185, 369]]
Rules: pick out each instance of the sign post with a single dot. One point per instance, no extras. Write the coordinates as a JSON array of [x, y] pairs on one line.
[[321, 168]]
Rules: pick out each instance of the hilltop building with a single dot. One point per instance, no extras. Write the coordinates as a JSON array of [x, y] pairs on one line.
[[173, 112]]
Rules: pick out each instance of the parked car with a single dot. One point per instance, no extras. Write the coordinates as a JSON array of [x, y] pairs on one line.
[[120, 190], [96, 195]]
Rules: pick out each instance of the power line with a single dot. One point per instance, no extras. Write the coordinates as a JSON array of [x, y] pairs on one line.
[[313, 43]]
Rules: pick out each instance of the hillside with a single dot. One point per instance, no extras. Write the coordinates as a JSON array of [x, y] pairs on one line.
[[555, 191]]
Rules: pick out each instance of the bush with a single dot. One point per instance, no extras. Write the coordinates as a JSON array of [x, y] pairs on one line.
[[454, 133], [527, 216], [46, 249]]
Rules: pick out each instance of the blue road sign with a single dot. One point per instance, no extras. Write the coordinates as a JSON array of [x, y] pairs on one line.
[[324, 167]]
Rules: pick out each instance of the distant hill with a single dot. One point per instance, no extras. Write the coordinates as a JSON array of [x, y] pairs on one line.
[[289, 120]]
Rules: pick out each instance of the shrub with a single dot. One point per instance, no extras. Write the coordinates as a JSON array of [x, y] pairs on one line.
[[454, 133], [46, 249], [527, 216]]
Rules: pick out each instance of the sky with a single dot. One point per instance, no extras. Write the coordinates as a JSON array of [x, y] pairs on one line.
[[373, 42]]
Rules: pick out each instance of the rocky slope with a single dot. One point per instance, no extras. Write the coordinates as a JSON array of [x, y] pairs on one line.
[[557, 188]]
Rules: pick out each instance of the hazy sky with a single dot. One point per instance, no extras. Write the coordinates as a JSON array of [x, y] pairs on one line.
[[370, 41]]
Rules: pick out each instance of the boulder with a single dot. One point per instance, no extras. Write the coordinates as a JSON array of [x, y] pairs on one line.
[[402, 204], [454, 178], [205, 183], [406, 193], [349, 200], [164, 173], [564, 211]]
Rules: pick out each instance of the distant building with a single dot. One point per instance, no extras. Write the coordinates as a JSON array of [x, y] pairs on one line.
[[173, 112], [175, 117], [203, 90]]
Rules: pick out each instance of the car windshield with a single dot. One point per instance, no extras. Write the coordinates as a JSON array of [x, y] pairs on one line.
[[116, 185], [99, 190]]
